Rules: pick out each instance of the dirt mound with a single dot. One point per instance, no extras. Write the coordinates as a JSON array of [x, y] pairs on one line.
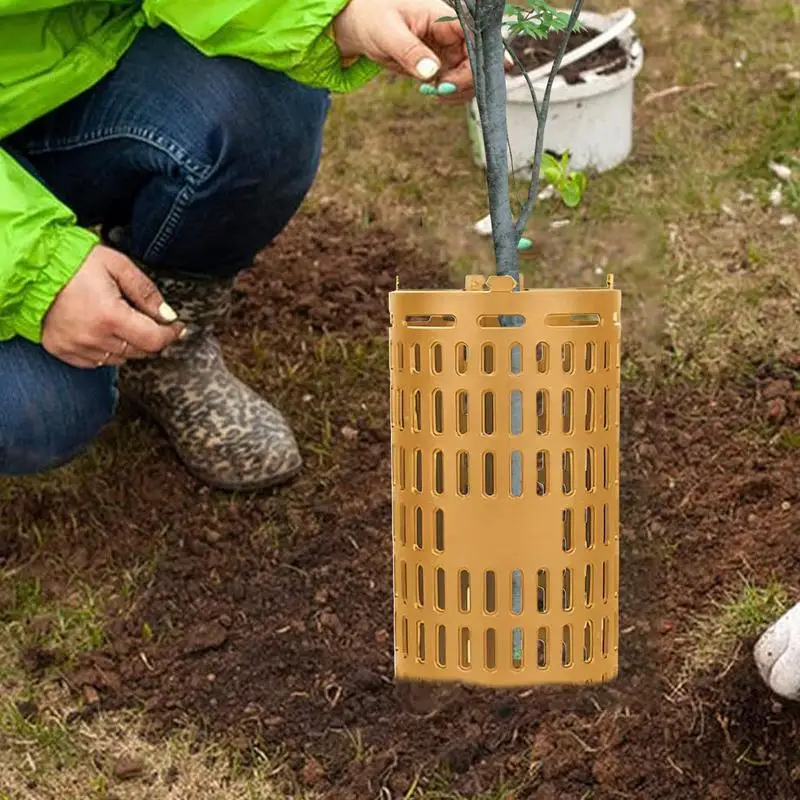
[[267, 618]]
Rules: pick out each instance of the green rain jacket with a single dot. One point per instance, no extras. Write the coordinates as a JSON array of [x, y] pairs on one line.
[[52, 50]]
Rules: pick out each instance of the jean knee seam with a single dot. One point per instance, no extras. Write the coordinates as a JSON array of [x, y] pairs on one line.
[[170, 223], [159, 141]]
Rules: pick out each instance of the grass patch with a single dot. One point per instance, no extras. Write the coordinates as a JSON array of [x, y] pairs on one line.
[[64, 624], [44, 759], [717, 637]]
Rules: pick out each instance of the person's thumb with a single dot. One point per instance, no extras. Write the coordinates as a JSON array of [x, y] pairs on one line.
[[406, 49], [140, 291]]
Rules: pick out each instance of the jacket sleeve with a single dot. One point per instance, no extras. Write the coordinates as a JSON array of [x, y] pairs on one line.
[[289, 36], [41, 248]]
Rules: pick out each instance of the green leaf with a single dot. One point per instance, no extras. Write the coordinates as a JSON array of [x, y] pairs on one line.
[[553, 175], [447, 19], [571, 194]]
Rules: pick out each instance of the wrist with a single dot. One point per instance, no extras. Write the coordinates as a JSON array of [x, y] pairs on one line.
[[340, 31]]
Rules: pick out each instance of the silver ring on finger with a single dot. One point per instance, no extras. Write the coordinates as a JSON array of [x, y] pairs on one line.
[[125, 346], [104, 360]]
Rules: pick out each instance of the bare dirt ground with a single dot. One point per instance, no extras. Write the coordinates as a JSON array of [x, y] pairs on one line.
[[160, 640]]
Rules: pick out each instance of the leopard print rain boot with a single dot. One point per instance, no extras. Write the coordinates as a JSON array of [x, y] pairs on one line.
[[225, 434]]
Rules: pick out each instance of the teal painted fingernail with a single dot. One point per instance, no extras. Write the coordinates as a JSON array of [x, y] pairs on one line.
[[524, 244], [447, 88], [427, 89]]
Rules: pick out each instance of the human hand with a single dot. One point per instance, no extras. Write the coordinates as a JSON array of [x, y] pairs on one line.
[[404, 36], [94, 320]]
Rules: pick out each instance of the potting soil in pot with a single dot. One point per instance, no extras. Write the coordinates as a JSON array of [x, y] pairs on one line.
[[610, 58]]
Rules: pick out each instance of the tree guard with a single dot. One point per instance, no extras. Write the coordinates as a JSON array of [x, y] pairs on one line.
[[505, 483]]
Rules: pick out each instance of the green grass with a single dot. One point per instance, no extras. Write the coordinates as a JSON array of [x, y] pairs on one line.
[[716, 636]]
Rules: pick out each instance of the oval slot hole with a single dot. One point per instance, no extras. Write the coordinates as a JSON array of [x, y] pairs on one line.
[[430, 321]]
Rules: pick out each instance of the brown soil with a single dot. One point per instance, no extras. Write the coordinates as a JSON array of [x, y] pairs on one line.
[[610, 58], [271, 614]]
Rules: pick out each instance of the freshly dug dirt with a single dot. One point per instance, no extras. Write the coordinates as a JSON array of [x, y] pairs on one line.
[[267, 618], [610, 58]]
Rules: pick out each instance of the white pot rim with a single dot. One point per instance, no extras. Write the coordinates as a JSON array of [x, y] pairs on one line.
[[593, 84]]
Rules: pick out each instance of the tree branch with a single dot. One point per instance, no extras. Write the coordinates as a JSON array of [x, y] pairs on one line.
[[544, 110]]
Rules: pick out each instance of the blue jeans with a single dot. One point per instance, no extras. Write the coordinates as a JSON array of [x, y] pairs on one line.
[[206, 159]]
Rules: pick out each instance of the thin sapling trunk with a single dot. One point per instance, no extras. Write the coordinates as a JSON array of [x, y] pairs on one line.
[[483, 22]]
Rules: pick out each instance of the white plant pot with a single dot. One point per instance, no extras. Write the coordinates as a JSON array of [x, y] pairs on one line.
[[593, 120]]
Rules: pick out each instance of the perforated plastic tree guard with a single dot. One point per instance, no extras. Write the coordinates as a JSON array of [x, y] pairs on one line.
[[505, 483]]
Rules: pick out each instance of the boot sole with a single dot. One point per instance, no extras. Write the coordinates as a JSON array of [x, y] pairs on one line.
[[267, 483]]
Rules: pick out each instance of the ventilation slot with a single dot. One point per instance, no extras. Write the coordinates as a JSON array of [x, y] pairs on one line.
[[567, 469], [490, 654], [488, 474], [567, 411], [438, 472], [542, 404], [438, 412], [589, 470], [462, 413], [462, 355], [517, 592], [439, 596], [542, 472], [517, 648], [566, 590], [589, 526], [588, 586], [516, 413], [416, 414], [436, 359], [464, 592], [589, 420], [487, 359], [542, 358], [401, 523], [488, 413], [430, 321], [416, 358], [590, 357], [441, 646], [401, 467], [439, 532], [542, 648], [465, 649], [588, 643], [490, 593], [566, 648], [542, 599], [463, 473], [567, 538], [567, 358], [515, 351], [516, 474]]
